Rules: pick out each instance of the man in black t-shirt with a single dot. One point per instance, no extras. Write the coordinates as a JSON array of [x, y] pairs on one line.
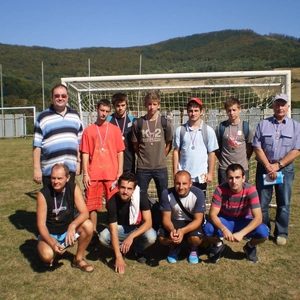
[[129, 222]]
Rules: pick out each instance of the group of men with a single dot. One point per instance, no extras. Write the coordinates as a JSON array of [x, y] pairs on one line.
[[106, 151]]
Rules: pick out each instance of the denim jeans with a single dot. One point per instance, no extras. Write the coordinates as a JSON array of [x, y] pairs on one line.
[[139, 244], [283, 193], [160, 177], [260, 232]]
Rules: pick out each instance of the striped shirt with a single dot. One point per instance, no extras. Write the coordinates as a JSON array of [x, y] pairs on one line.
[[235, 205], [58, 137]]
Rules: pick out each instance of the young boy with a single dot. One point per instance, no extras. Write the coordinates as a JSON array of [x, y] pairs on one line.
[[124, 121], [195, 144], [102, 149], [152, 140], [235, 140]]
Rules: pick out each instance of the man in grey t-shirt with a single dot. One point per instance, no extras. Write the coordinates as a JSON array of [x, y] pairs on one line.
[[152, 141], [235, 140]]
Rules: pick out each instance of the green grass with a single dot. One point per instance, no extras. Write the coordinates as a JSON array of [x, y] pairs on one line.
[[23, 276]]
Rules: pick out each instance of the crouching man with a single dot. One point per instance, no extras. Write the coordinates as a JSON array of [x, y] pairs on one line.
[[129, 222], [235, 213], [56, 222], [183, 208]]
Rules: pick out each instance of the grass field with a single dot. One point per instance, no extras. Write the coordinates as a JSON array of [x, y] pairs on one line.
[[23, 276]]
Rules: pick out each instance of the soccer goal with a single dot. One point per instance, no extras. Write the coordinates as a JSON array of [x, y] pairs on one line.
[[17, 121], [255, 90]]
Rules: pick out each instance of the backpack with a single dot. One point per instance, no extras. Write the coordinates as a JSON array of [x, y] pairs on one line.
[[203, 132], [164, 122], [225, 124]]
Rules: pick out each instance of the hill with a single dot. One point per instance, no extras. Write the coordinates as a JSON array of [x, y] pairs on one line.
[[228, 50]]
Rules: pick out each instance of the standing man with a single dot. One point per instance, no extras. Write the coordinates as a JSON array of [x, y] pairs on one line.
[[152, 141], [102, 160], [129, 222], [235, 213], [195, 145], [183, 208], [235, 140], [124, 121], [276, 145], [57, 135], [56, 204]]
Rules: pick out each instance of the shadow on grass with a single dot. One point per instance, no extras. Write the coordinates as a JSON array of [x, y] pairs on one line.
[[23, 219], [33, 194], [228, 253], [29, 251]]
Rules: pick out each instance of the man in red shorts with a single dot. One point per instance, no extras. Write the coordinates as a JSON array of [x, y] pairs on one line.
[[102, 149]]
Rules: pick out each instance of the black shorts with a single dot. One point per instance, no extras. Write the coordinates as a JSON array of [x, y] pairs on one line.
[[162, 232]]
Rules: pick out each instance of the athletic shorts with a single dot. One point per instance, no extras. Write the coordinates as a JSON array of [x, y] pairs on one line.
[[162, 232], [93, 196], [59, 237]]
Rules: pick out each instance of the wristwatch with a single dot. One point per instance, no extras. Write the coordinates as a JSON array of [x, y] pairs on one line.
[[280, 165]]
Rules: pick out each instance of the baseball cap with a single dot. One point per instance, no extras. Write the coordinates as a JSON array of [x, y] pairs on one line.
[[197, 100], [282, 97]]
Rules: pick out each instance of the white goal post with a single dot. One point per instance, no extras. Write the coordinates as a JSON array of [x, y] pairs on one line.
[[255, 90], [17, 121]]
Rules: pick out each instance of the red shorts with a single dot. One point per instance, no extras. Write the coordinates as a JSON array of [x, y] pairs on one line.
[[93, 196]]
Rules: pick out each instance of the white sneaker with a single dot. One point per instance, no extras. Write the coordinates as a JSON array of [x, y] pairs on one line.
[[281, 241]]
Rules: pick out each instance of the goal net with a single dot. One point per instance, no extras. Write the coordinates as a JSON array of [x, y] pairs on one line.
[[255, 90], [17, 121]]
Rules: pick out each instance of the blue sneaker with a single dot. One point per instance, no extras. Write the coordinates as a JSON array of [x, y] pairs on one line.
[[172, 257], [193, 257]]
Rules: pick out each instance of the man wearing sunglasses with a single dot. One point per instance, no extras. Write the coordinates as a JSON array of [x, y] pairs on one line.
[[57, 135]]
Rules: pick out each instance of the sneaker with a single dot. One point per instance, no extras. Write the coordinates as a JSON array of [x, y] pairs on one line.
[[140, 258], [172, 255], [251, 253], [281, 241], [193, 257], [216, 252]]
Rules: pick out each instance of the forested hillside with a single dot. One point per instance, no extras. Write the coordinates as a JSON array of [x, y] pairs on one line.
[[228, 50]]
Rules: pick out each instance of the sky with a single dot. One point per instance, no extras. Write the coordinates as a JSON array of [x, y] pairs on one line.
[[74, 24]]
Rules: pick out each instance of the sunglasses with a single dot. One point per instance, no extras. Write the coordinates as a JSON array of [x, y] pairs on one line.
[[64, 96]]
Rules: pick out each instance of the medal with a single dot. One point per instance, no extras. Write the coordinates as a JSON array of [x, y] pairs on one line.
[[57, 210], [123, 129], [151, 134], [192, 136], [102, 141]]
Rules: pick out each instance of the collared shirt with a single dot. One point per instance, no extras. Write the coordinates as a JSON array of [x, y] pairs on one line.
[[277, 139], [58, 136]]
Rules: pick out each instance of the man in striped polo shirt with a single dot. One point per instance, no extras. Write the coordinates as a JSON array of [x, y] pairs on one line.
[[235, 214], [57, 135]]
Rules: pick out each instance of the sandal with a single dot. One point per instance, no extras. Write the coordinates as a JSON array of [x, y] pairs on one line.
[[84, 268]]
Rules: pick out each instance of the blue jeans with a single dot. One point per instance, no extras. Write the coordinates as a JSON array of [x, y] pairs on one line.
[[160, 177], [283, 194], [260, 232], [139, 244]]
